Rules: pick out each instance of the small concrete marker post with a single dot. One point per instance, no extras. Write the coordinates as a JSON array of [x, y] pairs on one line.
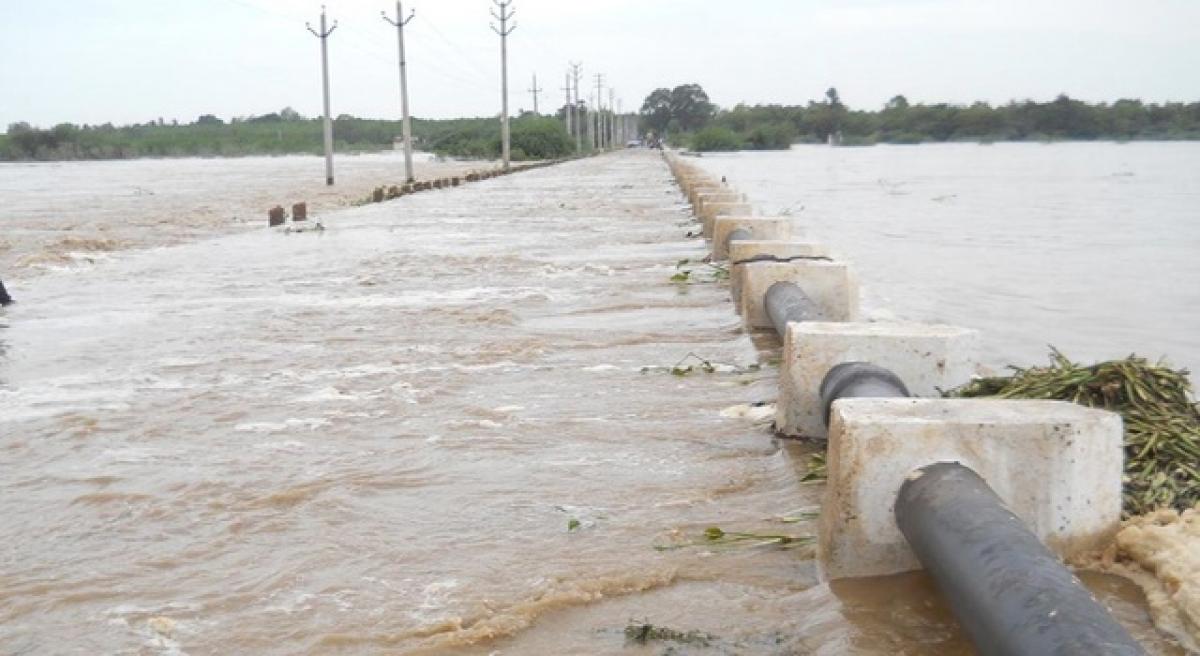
[[831, 285], [1057, 465], [927, 357], [759, 228]]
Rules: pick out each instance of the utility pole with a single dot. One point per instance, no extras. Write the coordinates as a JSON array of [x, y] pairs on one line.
[[567, 106], [591, 121], [323, 35], [400, 22], [599, 113], [575, 108], [535, 91], [622, 137], [504, 16], [612, 116]]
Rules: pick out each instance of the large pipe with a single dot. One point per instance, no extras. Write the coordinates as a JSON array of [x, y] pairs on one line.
[[858, 380], [786, 302], [1011, 595], [738, 234]]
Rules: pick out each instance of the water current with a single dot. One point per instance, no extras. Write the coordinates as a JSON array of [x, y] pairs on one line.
[[446, 424], [1093, 248]]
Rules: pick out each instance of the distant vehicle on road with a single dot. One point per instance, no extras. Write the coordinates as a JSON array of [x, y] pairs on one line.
[[633, 143]]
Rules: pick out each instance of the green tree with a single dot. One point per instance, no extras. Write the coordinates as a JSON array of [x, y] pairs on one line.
[[656, 111], [691, 107], [686, 107]]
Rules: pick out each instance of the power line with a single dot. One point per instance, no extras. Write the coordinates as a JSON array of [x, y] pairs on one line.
[[456, 49]]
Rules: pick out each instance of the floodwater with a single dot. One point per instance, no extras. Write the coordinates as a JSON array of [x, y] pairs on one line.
[[1093, 248], [63, 214], [446, 424]]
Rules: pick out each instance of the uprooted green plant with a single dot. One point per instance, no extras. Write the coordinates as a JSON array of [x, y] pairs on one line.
[[715, 536], [692, 363], [716, 273], [644, 632]]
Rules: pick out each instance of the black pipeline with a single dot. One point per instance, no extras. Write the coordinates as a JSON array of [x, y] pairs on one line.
[[858, 380], [785, 302], [1011, 595], [738, 234]]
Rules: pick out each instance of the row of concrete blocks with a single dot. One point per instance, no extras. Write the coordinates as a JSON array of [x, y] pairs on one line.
[[1056, 465], [380, 194]]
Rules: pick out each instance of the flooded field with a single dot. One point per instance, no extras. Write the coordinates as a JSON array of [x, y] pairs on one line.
[[64, 214], [1090, 247], [447, 424]]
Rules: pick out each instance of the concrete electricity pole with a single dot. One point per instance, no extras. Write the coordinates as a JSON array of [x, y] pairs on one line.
[[599, 141], [612, 116], [323, 35], [575, 108], [504, 16], [567, 105], [591, 121], [535, 91], [400, 22]]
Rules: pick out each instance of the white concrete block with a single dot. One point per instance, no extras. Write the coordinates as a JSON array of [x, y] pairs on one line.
[[1056, 465], [831, 285], [705, 198], [694, 190], [714, 210], [776, 249], [742, 251], [927, 357], [762, 228]]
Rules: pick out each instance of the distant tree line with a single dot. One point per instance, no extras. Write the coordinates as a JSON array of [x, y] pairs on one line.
[[277, 133], [686, 117]]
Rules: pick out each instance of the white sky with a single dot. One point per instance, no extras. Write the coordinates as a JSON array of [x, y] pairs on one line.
[[92, 61]]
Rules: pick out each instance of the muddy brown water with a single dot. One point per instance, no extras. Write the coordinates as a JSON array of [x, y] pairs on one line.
[[444, 425]]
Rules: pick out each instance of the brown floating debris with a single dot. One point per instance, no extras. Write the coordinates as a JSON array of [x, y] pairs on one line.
[[276, 216], [300, 212]]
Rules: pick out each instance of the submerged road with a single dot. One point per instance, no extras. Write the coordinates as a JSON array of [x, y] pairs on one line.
[[447, 424]]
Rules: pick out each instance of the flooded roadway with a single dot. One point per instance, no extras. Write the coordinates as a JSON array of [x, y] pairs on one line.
[[444, 425]]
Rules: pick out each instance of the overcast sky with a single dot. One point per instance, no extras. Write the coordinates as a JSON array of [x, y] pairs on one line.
[[93, 61]]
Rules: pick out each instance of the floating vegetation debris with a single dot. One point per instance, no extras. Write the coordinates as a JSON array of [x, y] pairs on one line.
[[573, 525], [643, 633], [816, 468], [716, 273], [1162, 422], [715, 536], [692, 363]]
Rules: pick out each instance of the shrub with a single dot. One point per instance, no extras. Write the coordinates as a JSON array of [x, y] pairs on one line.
[[715, 139], [773, 136]]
